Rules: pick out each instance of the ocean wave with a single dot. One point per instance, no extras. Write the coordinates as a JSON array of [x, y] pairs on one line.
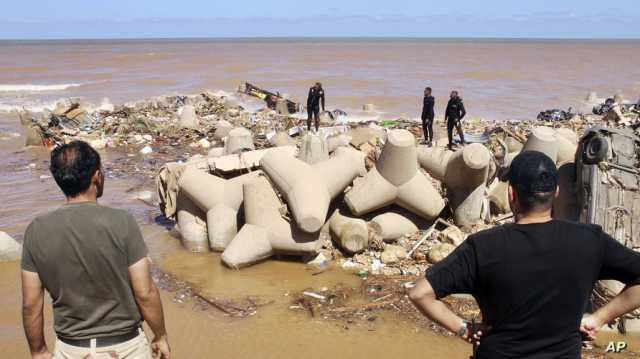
[[36, 88], [31, 107]]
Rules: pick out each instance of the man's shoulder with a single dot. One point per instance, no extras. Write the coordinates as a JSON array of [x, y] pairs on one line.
[[92, 210]]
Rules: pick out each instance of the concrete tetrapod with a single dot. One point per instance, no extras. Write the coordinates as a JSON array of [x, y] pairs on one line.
[[392, 226], [434, 160], [220, 199], [466, 179], [313, 149], [567, 143], [352, 234], [188, 118], [265, 233], [543, 139], [192, 226], [239, 140], [396, 179], [308, 189]]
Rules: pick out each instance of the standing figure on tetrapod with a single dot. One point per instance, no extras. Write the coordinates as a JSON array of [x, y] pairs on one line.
[[314, 100], [453, 115]]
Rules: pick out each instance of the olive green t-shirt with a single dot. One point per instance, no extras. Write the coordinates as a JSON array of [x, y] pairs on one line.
[[82, 253]]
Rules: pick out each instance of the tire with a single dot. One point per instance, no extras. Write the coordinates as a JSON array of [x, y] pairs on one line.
[[595, 150]]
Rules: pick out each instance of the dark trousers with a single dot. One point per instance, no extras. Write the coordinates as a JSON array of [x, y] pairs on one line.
[[427, 128], [451, 123], [315, 113]]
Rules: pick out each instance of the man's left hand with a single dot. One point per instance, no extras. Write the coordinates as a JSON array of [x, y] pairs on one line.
[[42, 355]]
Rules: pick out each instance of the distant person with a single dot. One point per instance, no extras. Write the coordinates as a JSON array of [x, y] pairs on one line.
[[532, 279], [427, 115], [94, 263], [314, 100], [453, 115]]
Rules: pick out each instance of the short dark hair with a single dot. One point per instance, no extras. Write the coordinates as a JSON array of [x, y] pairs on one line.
[[534, 177], [73, 165], [428, 89]]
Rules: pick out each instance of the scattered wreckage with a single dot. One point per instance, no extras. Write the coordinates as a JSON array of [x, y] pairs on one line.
[[361, 193]]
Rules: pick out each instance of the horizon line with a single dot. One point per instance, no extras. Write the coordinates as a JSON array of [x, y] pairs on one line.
[[320, 38]]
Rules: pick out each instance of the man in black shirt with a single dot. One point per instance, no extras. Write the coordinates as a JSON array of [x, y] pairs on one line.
[[532, 279], [428, 115], [453, 115], [315, 98]]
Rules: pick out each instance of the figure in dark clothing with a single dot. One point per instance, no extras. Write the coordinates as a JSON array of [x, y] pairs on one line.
[[453, 115], [427, 115], [314, 100]]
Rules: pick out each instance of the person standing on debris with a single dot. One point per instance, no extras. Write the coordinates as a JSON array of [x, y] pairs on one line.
[[532, 279], [453, 116], [314, 100], [427, 115], [94, 263]]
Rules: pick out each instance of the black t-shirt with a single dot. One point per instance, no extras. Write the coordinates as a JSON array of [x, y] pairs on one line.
[[533, 283]]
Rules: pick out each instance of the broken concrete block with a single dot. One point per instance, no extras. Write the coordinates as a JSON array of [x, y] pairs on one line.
[[216, 152], [308, 189], [10, 249], [313, 149], [281, 139], [352, 234], [192, 225], [188, 118], [265, 233], [239, 140], [439, 252], [391, 226], [392, 254], [396, 179], [543, 139], [223, 128], [282, 107], [220, 199]]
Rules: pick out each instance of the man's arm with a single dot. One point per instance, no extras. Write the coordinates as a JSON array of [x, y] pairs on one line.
[[309, 98], [463, 111], [424, 298], [322, 99], [627, 301], [148, 299], [32, 315]]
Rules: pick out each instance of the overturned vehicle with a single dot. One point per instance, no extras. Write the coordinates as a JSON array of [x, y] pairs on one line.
[[608, 191]]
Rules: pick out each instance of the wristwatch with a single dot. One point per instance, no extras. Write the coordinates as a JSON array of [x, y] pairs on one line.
[[464, 329]]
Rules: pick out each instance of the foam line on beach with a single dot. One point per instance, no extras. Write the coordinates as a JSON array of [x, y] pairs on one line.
[[36, 88]]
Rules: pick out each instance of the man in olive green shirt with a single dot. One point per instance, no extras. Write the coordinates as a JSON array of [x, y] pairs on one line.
[[93, 262]]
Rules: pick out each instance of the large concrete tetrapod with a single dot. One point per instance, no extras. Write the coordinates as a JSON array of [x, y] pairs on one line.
[[188, 118], [567, 143], [352, 234], [192, 225], [396, 179], [313, 149], [308, 189], [466, 179], [543, 139], [392, 226], [434, 160], [265, 233], [239, 140], [220, 199]]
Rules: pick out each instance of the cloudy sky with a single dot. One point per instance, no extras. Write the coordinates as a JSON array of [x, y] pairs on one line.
[[45, 19]]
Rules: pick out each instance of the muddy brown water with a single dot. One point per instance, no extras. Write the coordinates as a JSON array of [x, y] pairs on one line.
[[275, 331]]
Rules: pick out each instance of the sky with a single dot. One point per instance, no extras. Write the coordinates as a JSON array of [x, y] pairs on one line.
[[46, 19]]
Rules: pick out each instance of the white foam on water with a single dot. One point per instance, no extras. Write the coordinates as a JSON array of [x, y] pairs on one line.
[[36, 88], [31, 107]]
